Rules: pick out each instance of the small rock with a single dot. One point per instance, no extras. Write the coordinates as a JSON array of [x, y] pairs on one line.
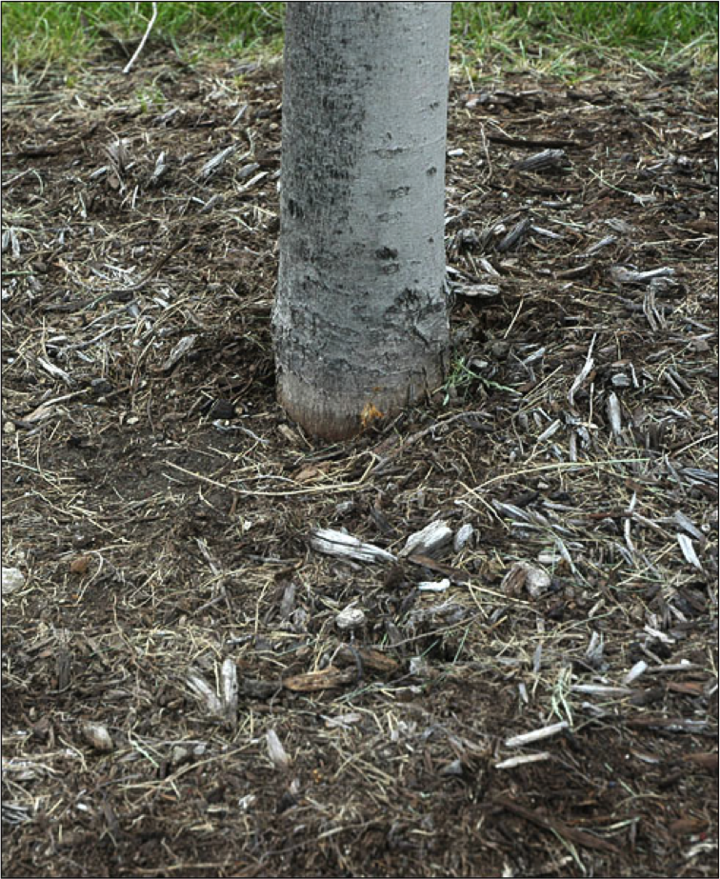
[[96, 734], [12, 579], [350, 618]]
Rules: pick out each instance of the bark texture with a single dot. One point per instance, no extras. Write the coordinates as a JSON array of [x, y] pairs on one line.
[[360, 318]]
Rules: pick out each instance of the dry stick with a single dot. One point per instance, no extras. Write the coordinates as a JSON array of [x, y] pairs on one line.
[[139, 49], [579, 837], [318, 489]]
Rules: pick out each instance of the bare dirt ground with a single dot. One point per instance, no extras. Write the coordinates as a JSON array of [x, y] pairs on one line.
[[159, 505]]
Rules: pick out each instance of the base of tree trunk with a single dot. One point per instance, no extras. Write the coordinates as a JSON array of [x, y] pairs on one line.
[[335, 416]]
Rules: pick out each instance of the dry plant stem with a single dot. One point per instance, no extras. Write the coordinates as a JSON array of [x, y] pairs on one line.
[[139, 284], [136, 55]]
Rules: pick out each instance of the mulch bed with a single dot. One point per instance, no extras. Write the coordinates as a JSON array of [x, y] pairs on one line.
[[191, 686]]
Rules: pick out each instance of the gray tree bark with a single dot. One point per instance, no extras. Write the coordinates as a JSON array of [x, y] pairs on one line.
[[360, 319]]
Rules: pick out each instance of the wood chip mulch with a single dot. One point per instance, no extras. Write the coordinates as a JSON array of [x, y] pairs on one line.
[[203, 675]]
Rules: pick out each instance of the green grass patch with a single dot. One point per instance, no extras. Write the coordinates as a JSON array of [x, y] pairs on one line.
[[549, 35], [462, 380], [562, 37], [70, 34]]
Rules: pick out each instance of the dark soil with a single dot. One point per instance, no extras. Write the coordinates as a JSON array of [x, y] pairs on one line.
[[159, 504]]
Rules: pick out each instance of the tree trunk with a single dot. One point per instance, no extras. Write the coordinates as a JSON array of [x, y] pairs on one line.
[[360, 319]]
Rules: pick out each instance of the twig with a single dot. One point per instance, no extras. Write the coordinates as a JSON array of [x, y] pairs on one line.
[[139, 49], [138, 285]]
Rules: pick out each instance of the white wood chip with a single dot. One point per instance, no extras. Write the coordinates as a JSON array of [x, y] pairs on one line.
[[230, 687], [463, 535], [205, 693], [427, 541], [621, 275], [522, 574], [341, 720], [278, 754], [550, 431], [536, 735], [434, 585], [584, 372], [56, 372], [687, 525], [182, 348], [613, 410], [638, 669], [217, 161], [601, 690], [688, 550], [512, 762], [342, 545], [478, 291]]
